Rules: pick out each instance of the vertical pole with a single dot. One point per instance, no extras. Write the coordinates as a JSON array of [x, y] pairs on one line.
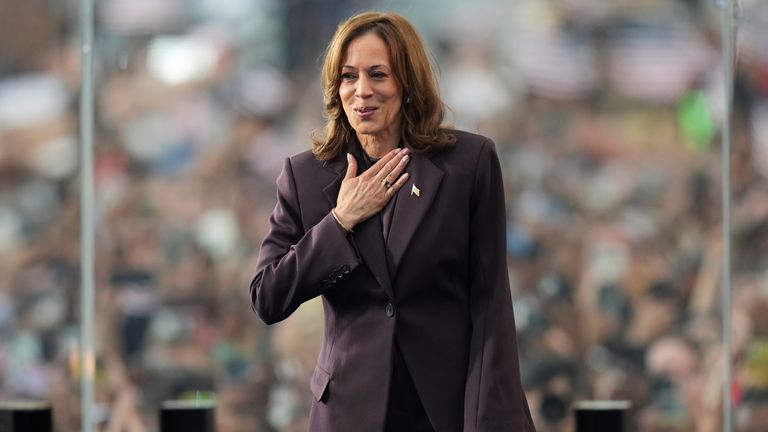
[[727, 40], [87, 225]]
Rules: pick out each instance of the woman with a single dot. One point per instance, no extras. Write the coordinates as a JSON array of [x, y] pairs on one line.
[[399, 225]]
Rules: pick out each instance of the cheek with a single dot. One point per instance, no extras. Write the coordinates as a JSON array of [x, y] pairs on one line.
[[395, 104], [345, 91], [395, 99], [345, 94]]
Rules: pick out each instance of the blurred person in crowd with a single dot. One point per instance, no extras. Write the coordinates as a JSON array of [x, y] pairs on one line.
[[551, 382], [411, 264], [752, 412]]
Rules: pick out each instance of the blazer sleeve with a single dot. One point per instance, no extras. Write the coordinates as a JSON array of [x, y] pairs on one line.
[[494, 398], [293, 265]]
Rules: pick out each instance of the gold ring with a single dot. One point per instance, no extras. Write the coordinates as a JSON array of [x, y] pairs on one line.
[[386, 183]]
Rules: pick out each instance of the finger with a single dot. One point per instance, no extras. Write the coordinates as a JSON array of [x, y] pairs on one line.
[[351, 167], [388, 171], [397, 169], [381, 163], [398, 184]]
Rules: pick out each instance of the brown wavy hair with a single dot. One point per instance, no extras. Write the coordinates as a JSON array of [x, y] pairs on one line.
[[422, 109]]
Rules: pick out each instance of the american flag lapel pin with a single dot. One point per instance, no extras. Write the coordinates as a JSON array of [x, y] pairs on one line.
[[415, 191]]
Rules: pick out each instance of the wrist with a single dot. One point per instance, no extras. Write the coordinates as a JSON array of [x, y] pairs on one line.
[[345, 225]]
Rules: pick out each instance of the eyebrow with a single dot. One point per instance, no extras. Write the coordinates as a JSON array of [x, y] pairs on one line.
[[376, 66]]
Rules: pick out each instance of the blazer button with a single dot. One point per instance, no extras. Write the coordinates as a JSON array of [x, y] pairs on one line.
[[389, 310], [345, 269]]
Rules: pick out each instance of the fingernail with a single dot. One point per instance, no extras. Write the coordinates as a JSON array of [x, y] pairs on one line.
[[405, 158], [397, 150]]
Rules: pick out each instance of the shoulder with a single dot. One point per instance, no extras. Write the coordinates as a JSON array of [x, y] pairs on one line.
[[305, 159], [306, 162], [307, 171], [466, 138], [469, 146]]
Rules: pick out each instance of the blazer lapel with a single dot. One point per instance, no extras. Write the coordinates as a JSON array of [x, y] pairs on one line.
[[368, 235], [339, 166], [413, 200], [370, 243]]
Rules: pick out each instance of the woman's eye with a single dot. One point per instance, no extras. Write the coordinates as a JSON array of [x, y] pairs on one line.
[[378, 75], [347, 76]]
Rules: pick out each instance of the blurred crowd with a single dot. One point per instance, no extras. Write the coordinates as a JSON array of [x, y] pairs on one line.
[[607, 119]]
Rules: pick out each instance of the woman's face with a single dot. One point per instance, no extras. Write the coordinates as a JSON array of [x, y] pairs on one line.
[[369, 91]]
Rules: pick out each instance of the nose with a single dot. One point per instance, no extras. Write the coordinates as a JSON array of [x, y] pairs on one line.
[[363, 88]]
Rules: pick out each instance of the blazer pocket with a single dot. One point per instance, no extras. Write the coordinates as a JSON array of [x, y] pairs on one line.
[[318, 384]]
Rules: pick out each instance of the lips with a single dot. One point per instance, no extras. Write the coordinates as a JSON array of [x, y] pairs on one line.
[[365, 112]]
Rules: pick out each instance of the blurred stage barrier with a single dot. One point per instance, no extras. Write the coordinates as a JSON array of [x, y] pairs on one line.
[[199, 416], [601, 416], [187, 415], [25, 416]]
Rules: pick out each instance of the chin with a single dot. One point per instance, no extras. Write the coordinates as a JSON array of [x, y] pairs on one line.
[[367, 130]]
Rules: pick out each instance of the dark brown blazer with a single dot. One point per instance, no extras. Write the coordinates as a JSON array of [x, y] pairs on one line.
[[439, 286]]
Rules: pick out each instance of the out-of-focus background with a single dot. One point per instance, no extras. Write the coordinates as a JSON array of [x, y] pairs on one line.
[[606, 115]]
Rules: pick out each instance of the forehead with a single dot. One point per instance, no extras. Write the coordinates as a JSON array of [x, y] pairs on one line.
[[366, 50]]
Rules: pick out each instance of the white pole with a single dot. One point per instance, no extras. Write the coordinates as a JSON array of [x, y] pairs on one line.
[[87, 225], [727, 40]]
